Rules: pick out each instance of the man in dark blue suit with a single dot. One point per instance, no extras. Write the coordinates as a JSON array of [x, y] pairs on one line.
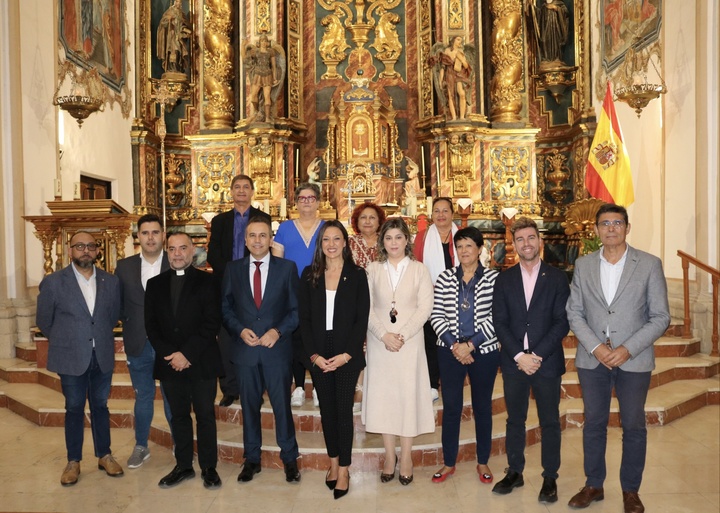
[[77, 309], [227, 243], [530, 323], [260, 312]]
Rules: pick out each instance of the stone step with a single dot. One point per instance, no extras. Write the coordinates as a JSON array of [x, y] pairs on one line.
[[665, 403]]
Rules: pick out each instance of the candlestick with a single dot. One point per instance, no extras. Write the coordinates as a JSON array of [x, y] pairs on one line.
[[422, 157], [58, 187], [76, 191], [437, 167], [297, 165]]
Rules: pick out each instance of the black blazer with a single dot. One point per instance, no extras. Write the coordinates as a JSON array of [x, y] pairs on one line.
[[279, 309], [352, 309], [545, 321], [132, 304], [192, 331], [220, 245]]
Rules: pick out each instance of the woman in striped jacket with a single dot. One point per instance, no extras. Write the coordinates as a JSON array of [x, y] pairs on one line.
[[466, 346]]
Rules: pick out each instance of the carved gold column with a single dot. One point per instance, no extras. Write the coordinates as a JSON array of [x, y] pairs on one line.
[[218, 68], [47, 237], [507, 61]]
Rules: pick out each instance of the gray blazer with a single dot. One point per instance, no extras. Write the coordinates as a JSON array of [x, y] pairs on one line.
[[64, 318], [132, 306], [637, 316]]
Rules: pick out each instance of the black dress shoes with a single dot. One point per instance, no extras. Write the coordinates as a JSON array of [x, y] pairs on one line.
[[176, 476], [248, 471], [548, 492], [227, 400], [511, 480], [292, 474], [330, 483], [211, 479]]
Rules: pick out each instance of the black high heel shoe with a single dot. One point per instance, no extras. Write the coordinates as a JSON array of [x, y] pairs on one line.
[[337, 492], [330, 483], [385, 478], [405, 480]]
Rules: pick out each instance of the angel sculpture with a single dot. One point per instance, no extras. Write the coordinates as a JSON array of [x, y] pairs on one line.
[[452, 71], [266, 67], [313, 171]]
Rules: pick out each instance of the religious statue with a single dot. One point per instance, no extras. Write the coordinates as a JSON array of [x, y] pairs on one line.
[[172, 33], [313, 171], [551, 31], [453, 67], [412, 187], [266, 70]]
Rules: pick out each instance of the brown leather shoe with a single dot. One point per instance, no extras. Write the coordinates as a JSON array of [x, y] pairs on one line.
[[585, 496], [632, 503], [110, 466], [70, 474]]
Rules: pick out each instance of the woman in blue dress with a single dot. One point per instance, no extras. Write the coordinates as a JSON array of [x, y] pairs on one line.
[[295, 240]]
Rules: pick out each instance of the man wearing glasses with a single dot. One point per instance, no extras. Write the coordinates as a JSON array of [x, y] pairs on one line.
[[77, 309], [618, 308]]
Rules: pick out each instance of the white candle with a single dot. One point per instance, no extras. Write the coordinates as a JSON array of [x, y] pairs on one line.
[[428, 201], [422, 172], [437, 166], [266, 206], [283, 208], [76, 191], [58, 187], [297, 164]]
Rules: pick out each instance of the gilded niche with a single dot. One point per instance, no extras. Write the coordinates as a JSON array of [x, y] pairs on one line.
[[453, 73]]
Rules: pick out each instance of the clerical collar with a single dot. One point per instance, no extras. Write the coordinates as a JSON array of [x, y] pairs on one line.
[[180, 272]]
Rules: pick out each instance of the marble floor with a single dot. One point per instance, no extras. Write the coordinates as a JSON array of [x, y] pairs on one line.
[[682, 475]]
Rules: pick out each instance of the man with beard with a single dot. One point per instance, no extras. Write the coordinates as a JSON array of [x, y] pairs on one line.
[[77, 309], [530, 323]]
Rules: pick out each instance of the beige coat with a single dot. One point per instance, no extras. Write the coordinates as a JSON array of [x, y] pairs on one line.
[[396, 397]]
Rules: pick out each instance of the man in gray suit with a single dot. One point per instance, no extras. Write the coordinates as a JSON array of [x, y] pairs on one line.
[[134, 272], [77, 309], [618, 308]]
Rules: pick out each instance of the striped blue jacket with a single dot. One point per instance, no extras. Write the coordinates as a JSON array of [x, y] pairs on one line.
[[444, 317]]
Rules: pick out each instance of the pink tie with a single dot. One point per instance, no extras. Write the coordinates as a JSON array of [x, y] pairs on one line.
[[257, 285]]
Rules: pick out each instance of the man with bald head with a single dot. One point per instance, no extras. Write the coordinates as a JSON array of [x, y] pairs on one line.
[[77, 309]]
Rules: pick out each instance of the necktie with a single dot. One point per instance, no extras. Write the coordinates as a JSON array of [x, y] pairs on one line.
[[257, 285]]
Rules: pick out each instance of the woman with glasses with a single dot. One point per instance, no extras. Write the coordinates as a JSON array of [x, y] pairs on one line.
[[334, 306], [397, 400], [467, 347], [295, 240]]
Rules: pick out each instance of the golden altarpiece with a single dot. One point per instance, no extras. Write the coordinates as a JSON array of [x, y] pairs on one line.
[[392, 101]]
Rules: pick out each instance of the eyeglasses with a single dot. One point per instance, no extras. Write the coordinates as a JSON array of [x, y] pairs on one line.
[[617, 223], [81, 246], [307, 199]]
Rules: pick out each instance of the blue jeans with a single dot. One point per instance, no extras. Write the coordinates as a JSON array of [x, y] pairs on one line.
[[141, 375], [516, 388], [631, 389], [94, 386], [482, 373]]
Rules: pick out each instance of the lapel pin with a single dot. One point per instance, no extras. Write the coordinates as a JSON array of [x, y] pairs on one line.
[[344, 278]]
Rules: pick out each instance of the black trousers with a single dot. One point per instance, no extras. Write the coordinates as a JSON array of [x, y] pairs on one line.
[[335, 391], [431, 354], [298, 368], [228, 382], [182, 395]]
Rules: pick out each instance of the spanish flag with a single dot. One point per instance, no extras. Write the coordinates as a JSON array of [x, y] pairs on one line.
[[608, 176]]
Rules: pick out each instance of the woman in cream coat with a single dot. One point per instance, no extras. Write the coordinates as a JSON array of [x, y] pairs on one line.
[[397, 400]]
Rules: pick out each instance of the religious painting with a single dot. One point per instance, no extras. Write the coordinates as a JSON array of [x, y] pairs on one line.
[[92, 33], [626, 23]]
